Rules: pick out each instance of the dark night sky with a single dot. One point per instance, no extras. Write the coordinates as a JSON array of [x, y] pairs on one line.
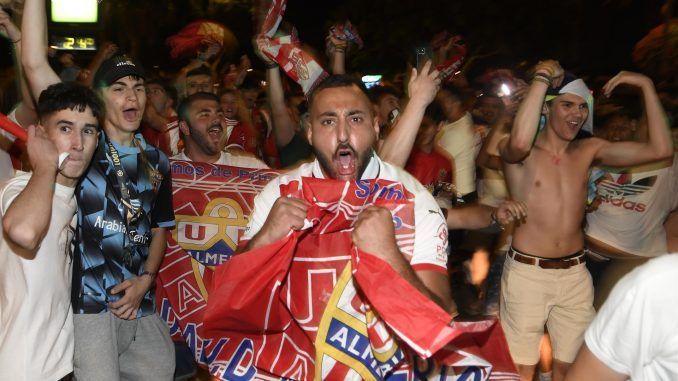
[[594, 36], [586, 35]]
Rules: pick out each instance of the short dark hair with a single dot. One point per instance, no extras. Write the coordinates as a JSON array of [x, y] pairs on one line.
[[334, 81], [200, 70], [73, 96], [182, 110], [375, 93]]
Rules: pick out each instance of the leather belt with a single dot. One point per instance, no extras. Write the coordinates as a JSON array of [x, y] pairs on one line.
[[548, 263]]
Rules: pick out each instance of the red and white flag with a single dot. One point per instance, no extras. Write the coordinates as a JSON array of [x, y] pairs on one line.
[[286, 50], [312, 307]]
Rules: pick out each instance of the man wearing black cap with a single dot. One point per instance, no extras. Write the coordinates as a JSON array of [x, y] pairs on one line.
[[124, 207], [545, 280]]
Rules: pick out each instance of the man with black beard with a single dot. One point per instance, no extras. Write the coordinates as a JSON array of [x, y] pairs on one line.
[[342, 130], [203, 125]]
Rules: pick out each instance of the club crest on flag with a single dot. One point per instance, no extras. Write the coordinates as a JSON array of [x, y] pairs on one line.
[[211, 238], [350, 333], [211, 207]]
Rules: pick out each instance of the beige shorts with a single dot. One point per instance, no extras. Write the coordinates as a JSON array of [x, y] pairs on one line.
[[531, 297]]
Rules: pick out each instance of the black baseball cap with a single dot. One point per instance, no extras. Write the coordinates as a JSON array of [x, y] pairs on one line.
[[115, 68]]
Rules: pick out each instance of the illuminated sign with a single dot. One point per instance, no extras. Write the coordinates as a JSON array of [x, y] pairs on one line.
[[75, 11], [73, 43]]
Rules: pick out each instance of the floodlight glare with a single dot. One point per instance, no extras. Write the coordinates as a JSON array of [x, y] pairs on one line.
[[371, 78]]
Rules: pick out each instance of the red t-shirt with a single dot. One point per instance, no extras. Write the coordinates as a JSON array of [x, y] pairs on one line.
[[162, 140], [429, 168]]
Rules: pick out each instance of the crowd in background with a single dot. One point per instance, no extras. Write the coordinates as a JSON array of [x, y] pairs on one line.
[[453, 148]]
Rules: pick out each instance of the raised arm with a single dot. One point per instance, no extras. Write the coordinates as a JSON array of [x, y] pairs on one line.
[[27, 218], [422, 90], [659, 144], [525, 125], [25, 111], [106, 51], [488, 156], [489, 160], [284, 127], [34, 48], [336, 50], [180, 79]]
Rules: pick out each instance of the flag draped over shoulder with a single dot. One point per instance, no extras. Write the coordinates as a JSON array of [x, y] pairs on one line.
[[311, 306], [211, 206]]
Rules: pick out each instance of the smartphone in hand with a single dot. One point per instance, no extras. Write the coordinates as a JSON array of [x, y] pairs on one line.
[[421, 55]]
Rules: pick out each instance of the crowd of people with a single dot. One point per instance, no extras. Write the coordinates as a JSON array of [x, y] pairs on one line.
[[549, 195]]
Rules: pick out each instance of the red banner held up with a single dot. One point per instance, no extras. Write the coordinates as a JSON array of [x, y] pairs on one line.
[[211, 206]]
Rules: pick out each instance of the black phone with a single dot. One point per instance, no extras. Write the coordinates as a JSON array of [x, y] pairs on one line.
[[421, 55]]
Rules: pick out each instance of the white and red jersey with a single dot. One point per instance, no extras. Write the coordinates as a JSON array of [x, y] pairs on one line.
[[427, 250]]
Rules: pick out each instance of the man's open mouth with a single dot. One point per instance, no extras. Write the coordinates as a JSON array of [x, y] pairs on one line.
[[215, 131], [345, 159], [131, 114]]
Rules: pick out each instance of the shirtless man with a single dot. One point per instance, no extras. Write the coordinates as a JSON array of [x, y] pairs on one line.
[[545, 280]]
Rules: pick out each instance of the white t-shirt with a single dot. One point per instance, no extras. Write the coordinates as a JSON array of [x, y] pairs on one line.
[[227, 158], [459, 140], [6, 169], [633, 208], [429, 251], [636, 330], [36, 319]]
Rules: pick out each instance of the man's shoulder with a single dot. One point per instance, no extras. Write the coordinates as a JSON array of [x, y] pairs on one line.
[[241, 159], [21, 178], [654, 275], [14, 185], [392, 172], [304, 170]]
